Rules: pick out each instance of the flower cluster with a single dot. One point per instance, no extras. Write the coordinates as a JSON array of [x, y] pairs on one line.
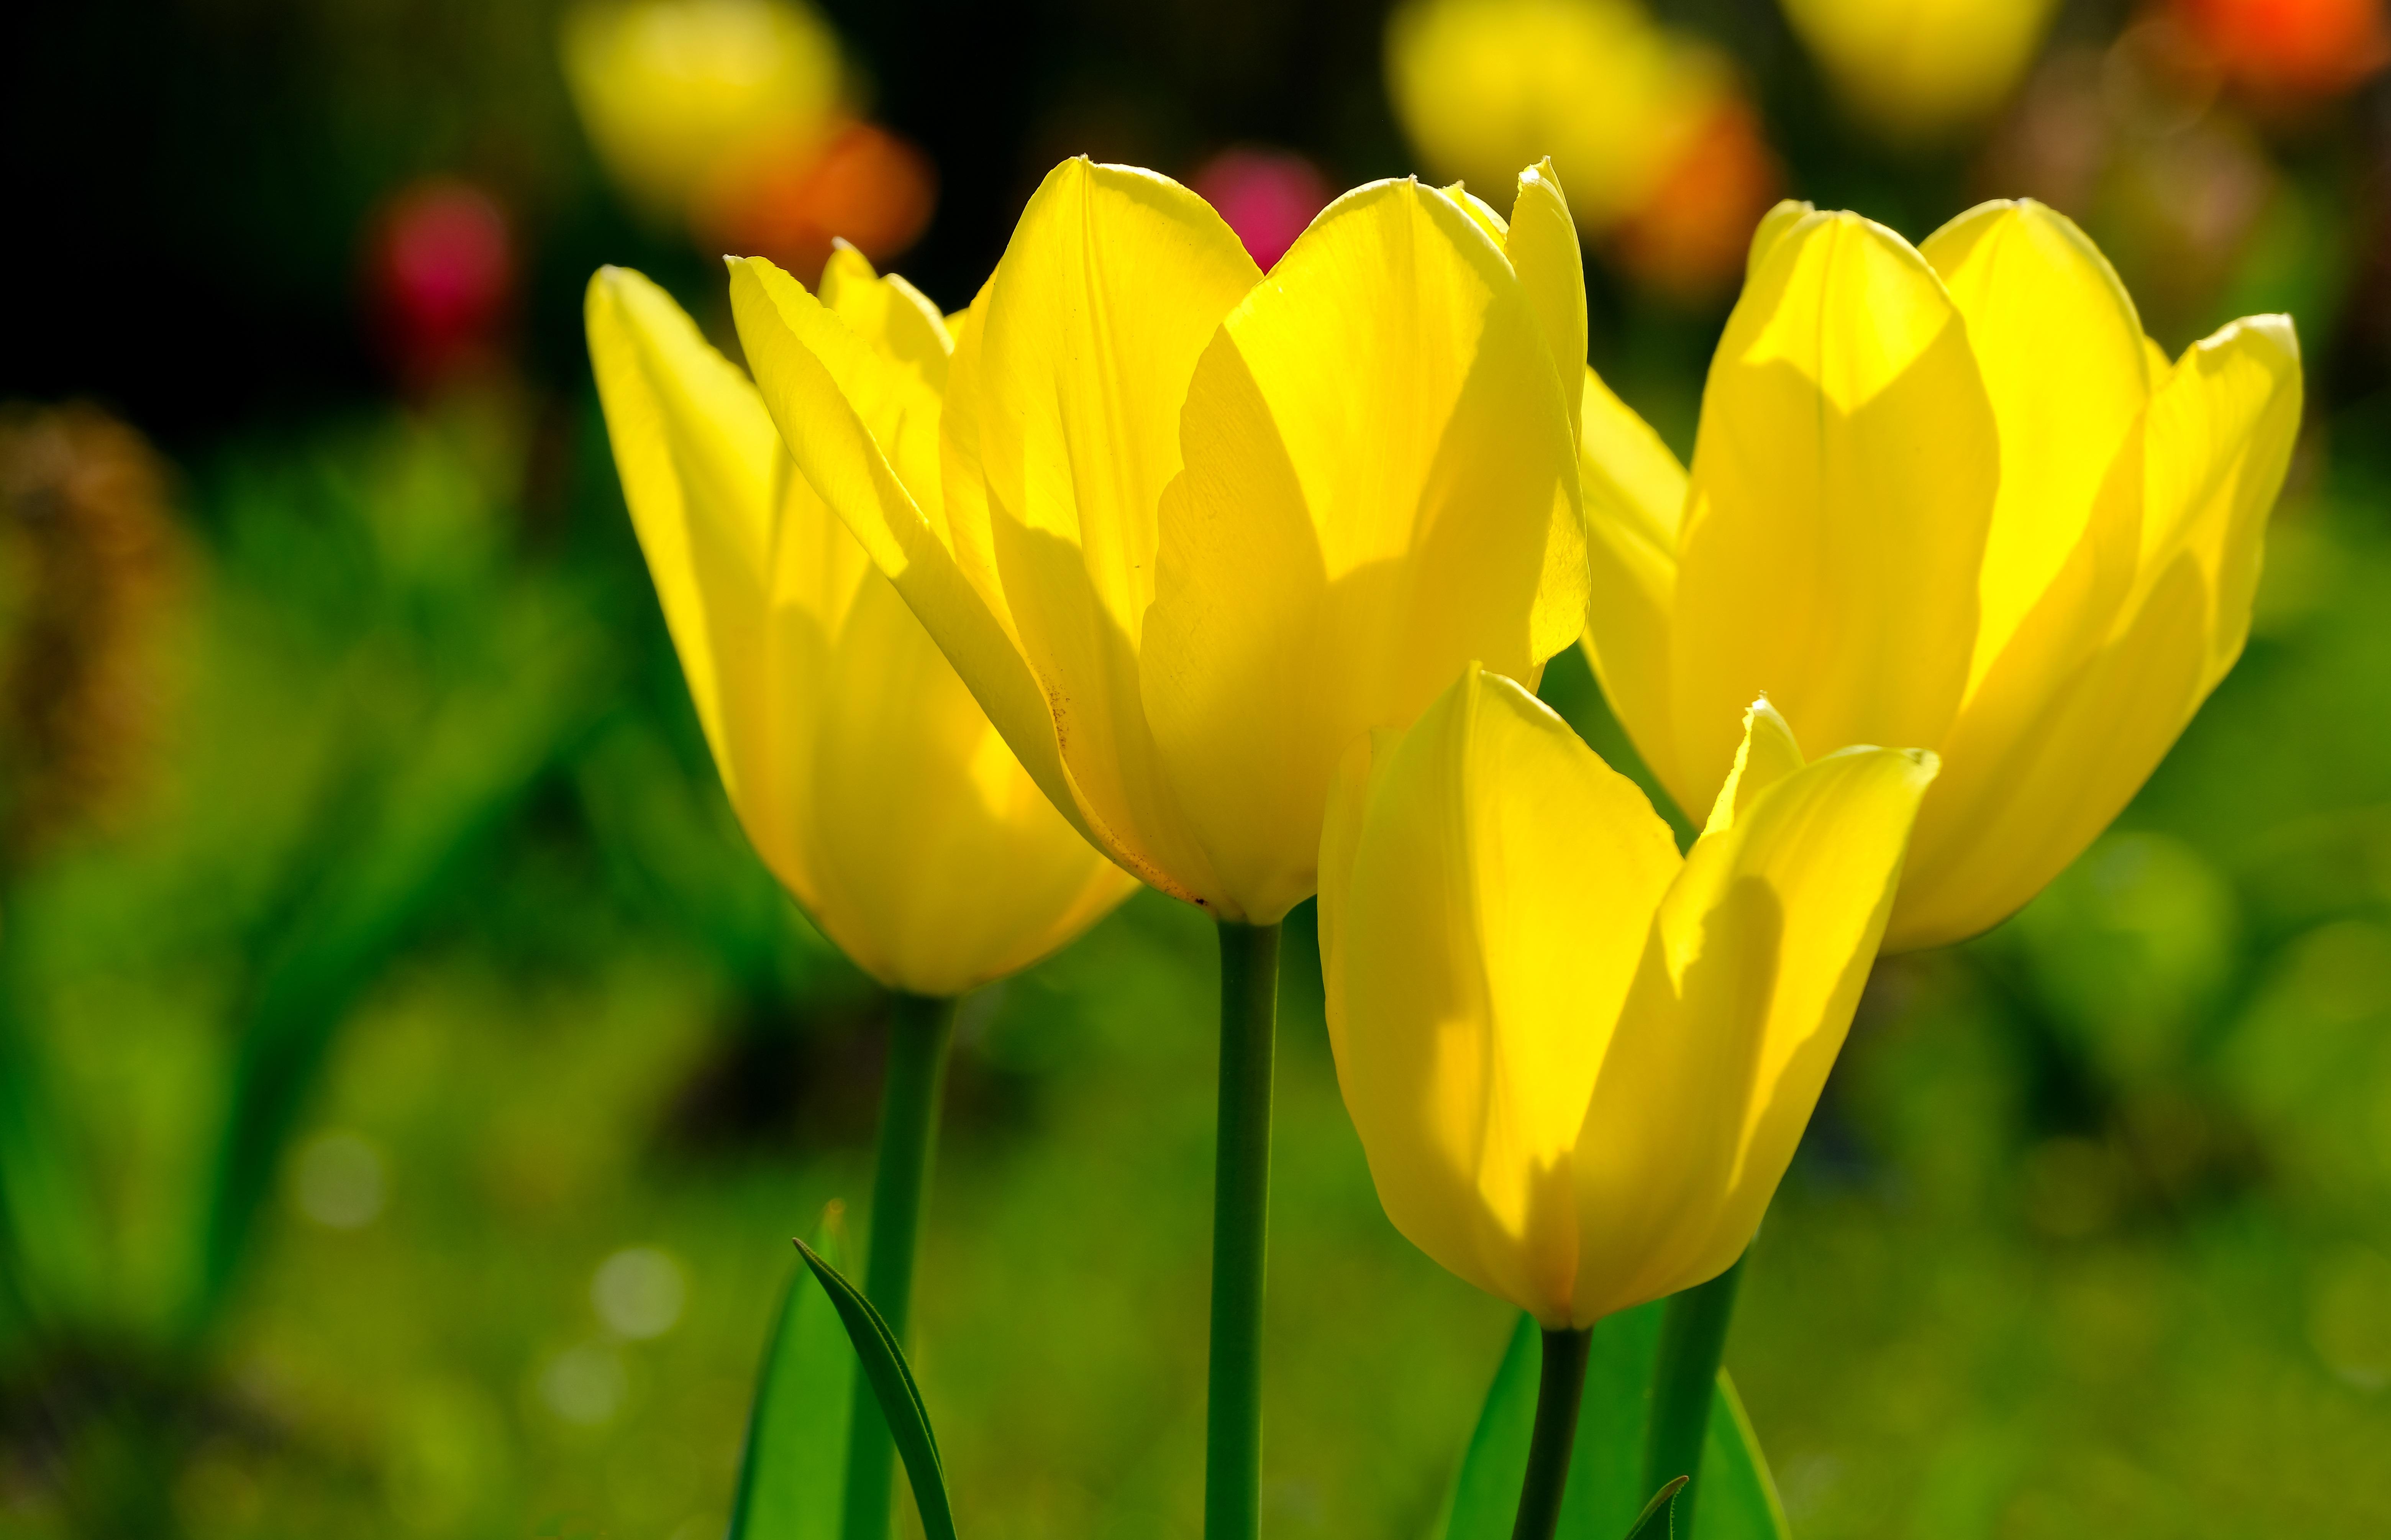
[[1247, 581]]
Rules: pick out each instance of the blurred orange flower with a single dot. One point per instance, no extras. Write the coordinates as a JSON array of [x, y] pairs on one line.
[[2291, 47]]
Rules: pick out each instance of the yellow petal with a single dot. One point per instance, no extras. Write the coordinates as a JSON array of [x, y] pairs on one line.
[[813, 371], [2037, 776], [1378, 475], [1483, 931], [1635, 496], [1542, 243], [2220, 439], [1114, 281], [1768, 755], [1842, 479], [894, 318], [1788, 212], [1479, 211], [2061, 351], [698, 459], [943, 866], [1741, 1002]]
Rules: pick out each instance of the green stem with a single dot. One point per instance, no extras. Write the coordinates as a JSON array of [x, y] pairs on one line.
[[1233, 1429], [1693, 1335], [1560, 1389], [919, 1029]]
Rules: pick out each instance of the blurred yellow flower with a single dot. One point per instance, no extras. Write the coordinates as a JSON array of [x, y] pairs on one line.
[[1648, 128], [1952, 496], [1187, 534], [673, 92], [1578, 1063], [1920, 68], [728, 116], [870, 782]]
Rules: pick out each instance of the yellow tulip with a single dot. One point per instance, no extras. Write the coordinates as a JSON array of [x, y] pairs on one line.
[[1578, 1063], [1951, 496], [867, 779], [1187, 533], [1918, 69]]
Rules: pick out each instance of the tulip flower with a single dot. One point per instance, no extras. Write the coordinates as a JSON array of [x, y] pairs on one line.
[[1187, 533], [1920, 70], [866, 775], [1949, 497], [869, 780], [1578, 1063]]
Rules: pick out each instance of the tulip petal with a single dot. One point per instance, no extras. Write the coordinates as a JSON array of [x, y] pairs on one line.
[[944, 865], [1112, 283], [1768, 755], [1542, 243], [1379, 485], [2049, 766], [1842, 481], [1745, 991], [2061, 353], [894, 318], [703, 473], [2220, 440], [1484, 931], [807, 365], [1634, 496], [1774, 225], [690, 442]]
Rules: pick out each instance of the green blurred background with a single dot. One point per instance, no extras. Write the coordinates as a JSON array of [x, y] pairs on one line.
[[409, 1080]]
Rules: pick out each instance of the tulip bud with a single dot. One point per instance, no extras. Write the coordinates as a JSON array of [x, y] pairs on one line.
[[1579, 1064]]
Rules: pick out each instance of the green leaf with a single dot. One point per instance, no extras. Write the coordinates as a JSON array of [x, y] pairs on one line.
[[792, 1474], [1487, 1491], [900, 1400], [1606, 1492], [1739, 1498], [1661, 1511]]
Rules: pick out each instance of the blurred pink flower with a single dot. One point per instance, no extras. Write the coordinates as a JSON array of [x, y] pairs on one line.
[[440, 276], [1267, 196]]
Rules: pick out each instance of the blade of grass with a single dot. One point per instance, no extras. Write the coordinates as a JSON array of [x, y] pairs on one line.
[[900, 1400], [1658, 1522]]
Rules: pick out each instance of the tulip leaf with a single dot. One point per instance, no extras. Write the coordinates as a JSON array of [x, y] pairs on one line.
[[1606, 1490], [891, 1379], [1487, 1491], [1659, 1519], [792, 1474]]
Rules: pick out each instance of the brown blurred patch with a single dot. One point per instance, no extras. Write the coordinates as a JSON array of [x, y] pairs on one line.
[[89, 564]]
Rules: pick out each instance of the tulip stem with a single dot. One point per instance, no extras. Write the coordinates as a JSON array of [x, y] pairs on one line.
[[920, 1027], [1560, 1389], [1233, 1429], [1685, 1376]]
